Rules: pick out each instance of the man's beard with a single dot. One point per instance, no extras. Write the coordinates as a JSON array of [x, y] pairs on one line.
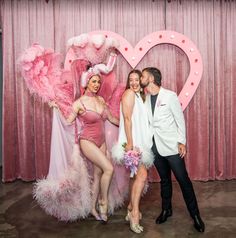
[[144, 85]]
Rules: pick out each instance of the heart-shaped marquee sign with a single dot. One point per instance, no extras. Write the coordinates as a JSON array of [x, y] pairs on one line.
[[134, 55]]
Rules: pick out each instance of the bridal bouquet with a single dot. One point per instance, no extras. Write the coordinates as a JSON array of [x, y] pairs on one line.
[[131, 160]]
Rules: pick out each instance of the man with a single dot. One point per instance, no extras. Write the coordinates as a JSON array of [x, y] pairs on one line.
[[168, 126]]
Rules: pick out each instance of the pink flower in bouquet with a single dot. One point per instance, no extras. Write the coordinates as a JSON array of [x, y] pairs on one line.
[[131, 160]]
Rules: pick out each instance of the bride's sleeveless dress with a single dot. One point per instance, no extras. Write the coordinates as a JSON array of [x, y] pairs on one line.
[[141, 134]]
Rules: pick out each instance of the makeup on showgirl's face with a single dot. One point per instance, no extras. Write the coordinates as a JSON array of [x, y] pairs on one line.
[[94, 84]]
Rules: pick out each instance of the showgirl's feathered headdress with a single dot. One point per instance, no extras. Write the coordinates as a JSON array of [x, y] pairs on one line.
[[98, 69], [44, 76], [95, 48]]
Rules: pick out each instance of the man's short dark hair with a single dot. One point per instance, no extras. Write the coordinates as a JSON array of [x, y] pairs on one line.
[[156, 74]]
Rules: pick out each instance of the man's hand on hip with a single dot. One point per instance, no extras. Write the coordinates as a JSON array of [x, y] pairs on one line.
[[182, 150]]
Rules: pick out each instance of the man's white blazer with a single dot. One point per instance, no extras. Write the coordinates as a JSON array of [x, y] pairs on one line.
[[167, 124]]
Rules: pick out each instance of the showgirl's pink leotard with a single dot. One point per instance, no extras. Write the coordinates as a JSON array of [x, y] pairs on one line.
[[93, 126]]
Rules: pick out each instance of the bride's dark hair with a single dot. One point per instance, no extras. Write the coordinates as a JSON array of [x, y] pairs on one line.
[[139, 73]]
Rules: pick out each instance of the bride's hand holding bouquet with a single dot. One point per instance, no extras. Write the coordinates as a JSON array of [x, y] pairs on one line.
[[131, 158]]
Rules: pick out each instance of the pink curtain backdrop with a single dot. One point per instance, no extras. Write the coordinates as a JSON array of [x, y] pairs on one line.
[[210, 116]]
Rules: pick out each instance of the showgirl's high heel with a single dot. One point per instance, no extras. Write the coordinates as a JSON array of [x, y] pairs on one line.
[[137, 228], [96, 215], [103, 212]]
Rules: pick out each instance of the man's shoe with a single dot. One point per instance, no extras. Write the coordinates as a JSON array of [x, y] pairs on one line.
[[198, 223], [163, 216]]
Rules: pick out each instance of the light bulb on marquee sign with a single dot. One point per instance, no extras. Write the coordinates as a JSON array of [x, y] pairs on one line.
[[133, 55]]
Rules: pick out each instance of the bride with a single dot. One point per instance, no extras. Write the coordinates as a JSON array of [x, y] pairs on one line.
[[134, 134]]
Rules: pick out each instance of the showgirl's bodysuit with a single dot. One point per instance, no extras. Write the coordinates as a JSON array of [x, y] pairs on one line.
[[93, 126]]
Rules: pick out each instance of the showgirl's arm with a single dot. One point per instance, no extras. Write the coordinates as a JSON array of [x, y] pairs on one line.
[[127, 110], [76, 107], [110, 117]]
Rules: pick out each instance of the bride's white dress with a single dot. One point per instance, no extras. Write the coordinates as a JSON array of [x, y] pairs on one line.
[[141, 134]]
